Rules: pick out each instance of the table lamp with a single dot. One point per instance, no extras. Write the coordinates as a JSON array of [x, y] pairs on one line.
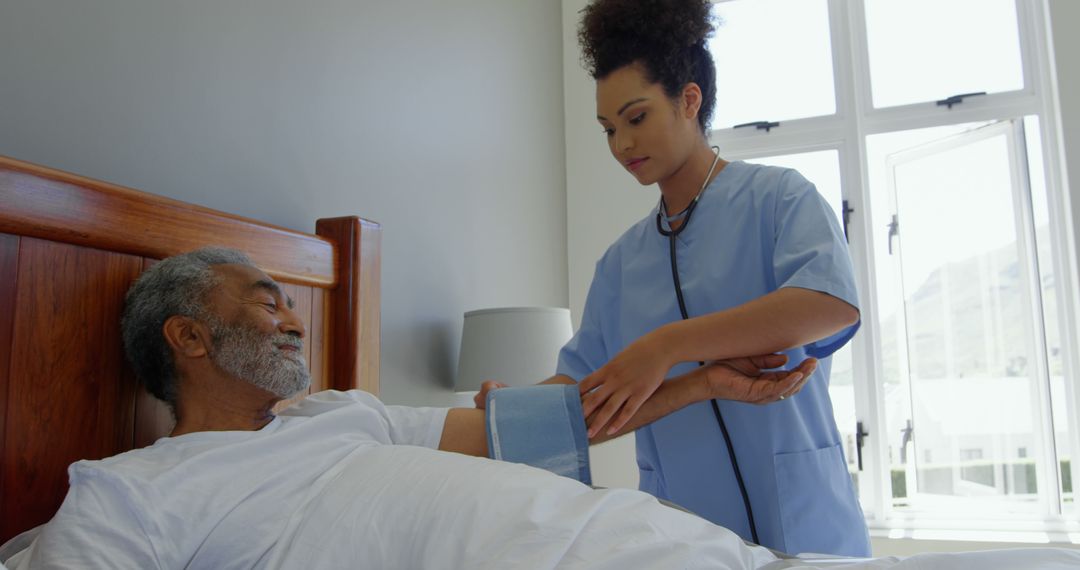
[[518, 346]]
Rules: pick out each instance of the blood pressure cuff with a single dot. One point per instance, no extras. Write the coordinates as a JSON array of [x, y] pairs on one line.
[[542, 426]]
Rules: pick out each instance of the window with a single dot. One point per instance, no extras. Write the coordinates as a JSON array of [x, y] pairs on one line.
[[959, 377], [777, 68], [927, 50]]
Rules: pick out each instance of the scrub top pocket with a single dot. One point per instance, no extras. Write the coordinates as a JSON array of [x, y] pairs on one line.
[[819, 511]]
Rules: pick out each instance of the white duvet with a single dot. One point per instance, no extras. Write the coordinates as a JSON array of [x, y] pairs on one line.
[[404, 507], [473, 516]]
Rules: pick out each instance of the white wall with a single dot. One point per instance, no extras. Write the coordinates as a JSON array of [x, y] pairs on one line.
[[602, 201], [441, 120]]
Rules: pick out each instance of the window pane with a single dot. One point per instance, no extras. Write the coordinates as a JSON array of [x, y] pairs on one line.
[[762, 79], [927, 50], [890, 306], [973, 438], [1051, 313]]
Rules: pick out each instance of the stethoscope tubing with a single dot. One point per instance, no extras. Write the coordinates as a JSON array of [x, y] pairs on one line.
[[672, 234]]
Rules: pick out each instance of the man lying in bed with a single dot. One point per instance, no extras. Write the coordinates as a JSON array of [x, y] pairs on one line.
[[340, 479]]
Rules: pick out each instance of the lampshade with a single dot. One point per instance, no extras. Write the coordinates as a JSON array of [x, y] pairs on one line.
[[518, 346]]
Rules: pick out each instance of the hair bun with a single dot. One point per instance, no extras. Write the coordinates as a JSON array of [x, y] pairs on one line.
[[667, 37], [663, 26]]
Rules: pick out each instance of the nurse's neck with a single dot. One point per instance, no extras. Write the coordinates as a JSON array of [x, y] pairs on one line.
[[680, 188]]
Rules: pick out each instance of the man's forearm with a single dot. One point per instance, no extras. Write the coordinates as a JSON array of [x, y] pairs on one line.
[[559, 379], [465, 432]]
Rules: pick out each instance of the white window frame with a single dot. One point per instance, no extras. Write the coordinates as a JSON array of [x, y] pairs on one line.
[[854, 120]]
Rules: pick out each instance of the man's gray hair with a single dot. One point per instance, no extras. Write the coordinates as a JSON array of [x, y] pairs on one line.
[[177, 285]]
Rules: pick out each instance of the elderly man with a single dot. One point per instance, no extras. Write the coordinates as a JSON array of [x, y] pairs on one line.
[[340, 479]]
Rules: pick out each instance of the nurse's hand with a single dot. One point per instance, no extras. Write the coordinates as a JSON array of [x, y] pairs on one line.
[[480, 399], [746, 379], [616, 391]]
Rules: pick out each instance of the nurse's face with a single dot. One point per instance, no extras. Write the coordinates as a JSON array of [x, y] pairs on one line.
[[647, 132]]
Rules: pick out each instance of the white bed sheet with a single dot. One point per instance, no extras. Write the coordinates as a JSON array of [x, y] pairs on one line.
[[1006, 559]]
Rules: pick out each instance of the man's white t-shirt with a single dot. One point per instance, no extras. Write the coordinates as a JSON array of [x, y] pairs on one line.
[[342, 481], [219, 499]]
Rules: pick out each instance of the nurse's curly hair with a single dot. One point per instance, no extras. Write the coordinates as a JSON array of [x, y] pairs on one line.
[[666, 37]]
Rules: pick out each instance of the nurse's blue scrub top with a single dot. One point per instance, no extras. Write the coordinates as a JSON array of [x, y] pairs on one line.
[[755, 229]]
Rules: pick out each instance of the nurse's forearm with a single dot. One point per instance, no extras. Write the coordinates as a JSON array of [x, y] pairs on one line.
[[673, 395], [778, 321]]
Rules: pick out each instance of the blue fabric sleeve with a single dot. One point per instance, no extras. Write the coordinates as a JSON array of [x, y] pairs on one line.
[[811, 252], [542, 426], [586, 352]]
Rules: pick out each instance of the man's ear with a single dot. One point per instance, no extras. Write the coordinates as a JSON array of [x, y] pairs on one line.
[[691, 100], [187, 337]]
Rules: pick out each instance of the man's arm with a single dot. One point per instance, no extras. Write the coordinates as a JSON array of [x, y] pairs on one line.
[[480, 399], [465, 432], [741, 379]]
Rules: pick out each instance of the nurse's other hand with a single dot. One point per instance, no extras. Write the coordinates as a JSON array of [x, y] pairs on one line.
[[616, 391], [730, 380], [480, 399]]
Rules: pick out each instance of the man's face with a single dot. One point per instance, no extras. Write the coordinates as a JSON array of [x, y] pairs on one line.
[[255, 334]]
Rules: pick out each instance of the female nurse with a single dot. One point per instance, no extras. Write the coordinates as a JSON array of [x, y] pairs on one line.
[[736, 259]]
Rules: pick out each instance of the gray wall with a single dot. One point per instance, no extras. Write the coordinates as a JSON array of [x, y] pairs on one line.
[[1064, 16], [441, 120]]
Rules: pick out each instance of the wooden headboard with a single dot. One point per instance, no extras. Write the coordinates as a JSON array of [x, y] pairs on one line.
[[69, 249]]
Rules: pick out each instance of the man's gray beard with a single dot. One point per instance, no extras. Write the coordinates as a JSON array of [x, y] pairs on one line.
[[254, 357]]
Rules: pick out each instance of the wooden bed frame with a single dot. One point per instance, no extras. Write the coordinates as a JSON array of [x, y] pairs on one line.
[[69, 249]]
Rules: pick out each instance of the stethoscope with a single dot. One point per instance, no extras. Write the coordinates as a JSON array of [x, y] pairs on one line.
[[671, 234]]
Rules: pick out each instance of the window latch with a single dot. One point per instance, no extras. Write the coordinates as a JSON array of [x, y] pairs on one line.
[[908, 435], [957, 99], [759, 125], [894, 230], [860, 436]]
